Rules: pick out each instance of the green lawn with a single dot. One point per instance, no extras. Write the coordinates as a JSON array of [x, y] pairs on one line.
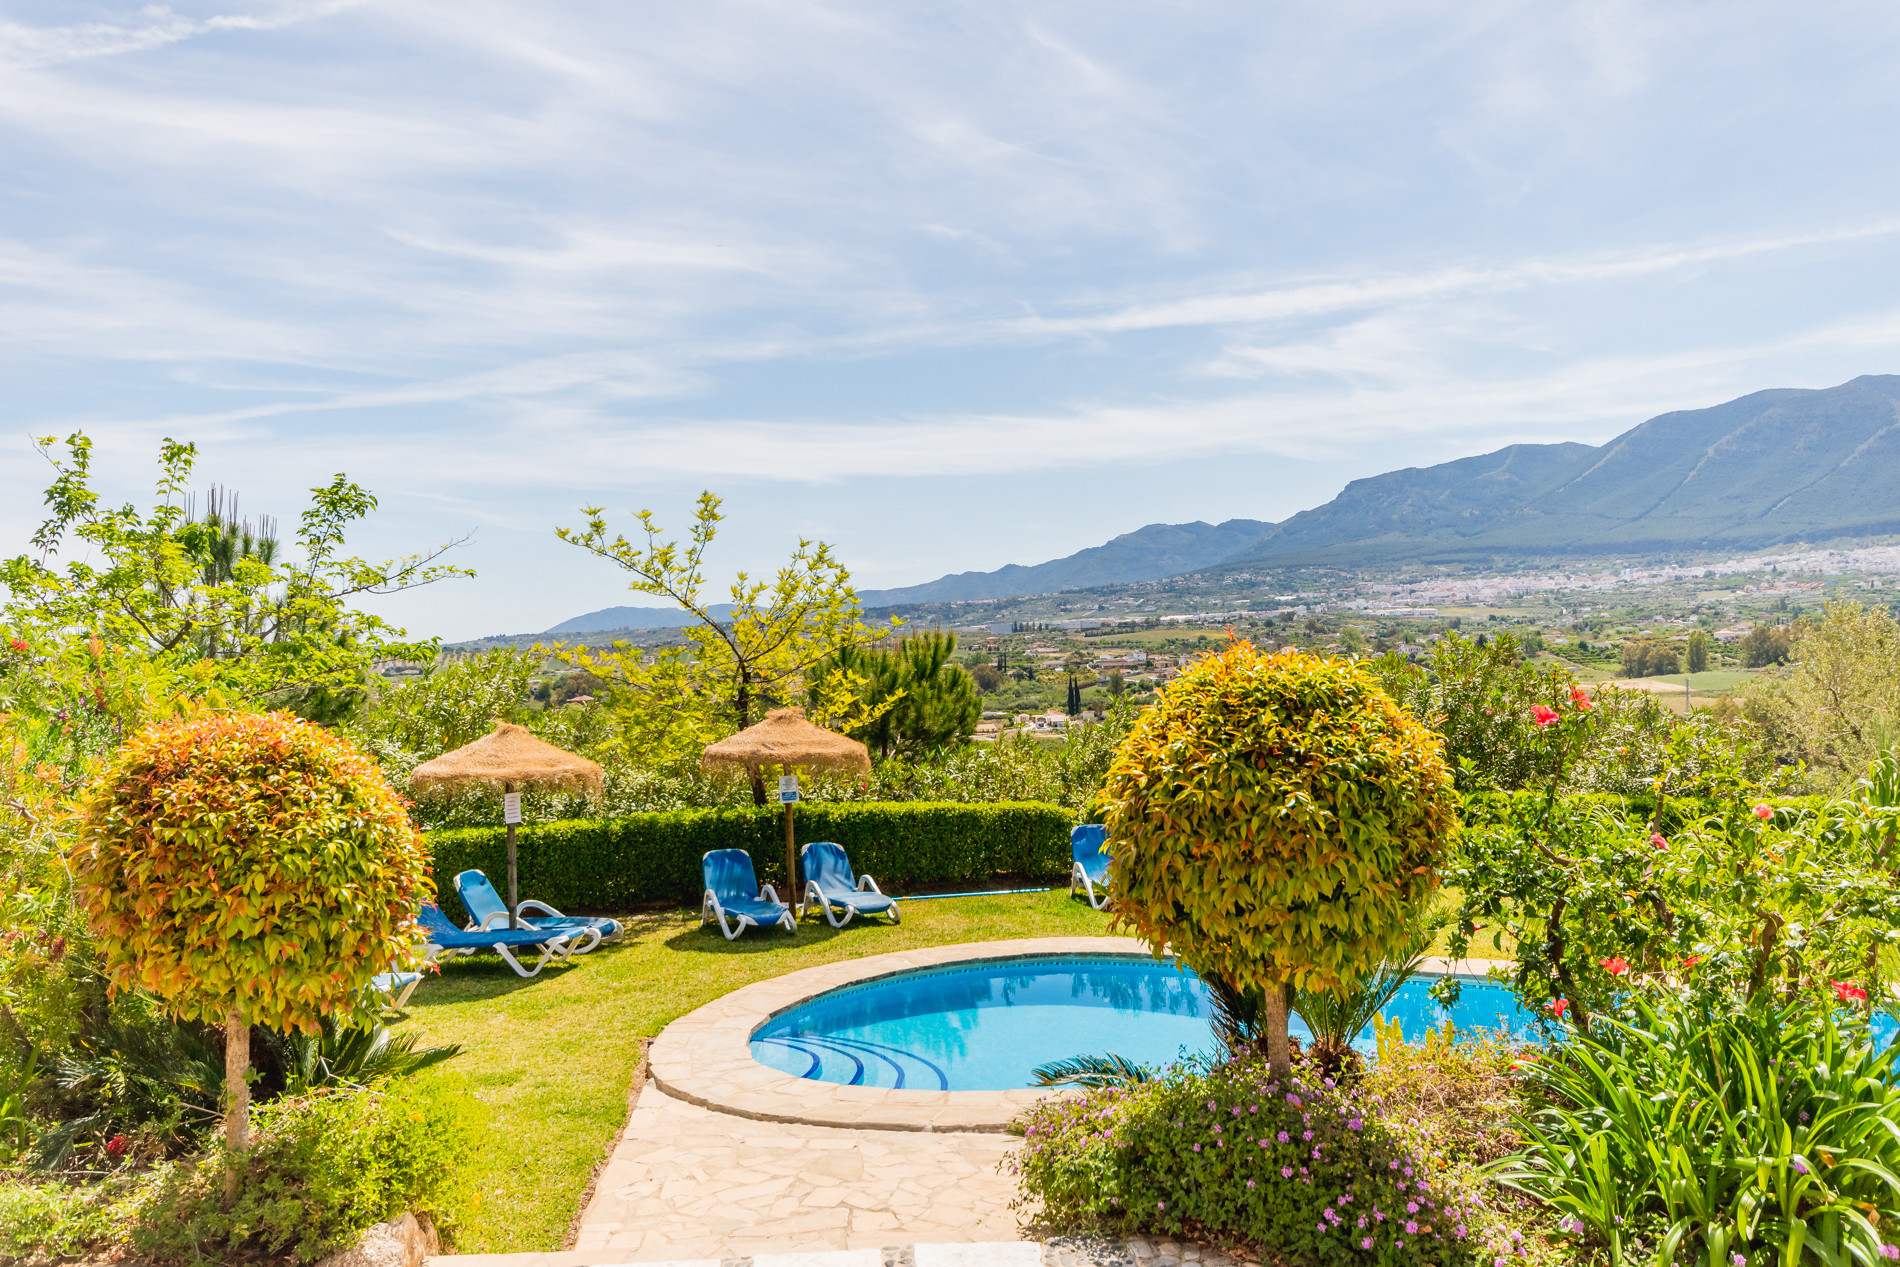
[[552, 1059]]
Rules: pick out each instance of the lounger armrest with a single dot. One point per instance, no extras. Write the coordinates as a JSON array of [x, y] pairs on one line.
[[866, 883], [543, 907], [498, 920], [768, 894]]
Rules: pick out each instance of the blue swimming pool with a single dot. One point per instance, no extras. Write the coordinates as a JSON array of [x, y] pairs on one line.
[[984, 1025]]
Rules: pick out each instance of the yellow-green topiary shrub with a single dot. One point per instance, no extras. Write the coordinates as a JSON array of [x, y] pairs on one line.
[[248, 869], [1275, 822]]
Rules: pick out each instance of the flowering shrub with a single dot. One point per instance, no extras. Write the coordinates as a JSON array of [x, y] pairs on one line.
[[1748, 898], [1230, 1151]]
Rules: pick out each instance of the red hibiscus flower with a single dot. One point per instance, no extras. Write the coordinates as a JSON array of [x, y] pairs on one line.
[[1848, 992], [117, 1145], [1691, 962], [1560, 1007], [1762, 811], [1616, 966], [1579, 699], [1543, 716], [1658, 841], [20, 646]]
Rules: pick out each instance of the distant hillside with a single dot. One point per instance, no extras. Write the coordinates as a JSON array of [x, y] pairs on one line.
[[1143, 555], [1774, 466], [1782, 465], [608, 619]]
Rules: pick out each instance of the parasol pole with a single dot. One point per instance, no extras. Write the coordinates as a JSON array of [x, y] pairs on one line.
[[514, 894], [791, 855]]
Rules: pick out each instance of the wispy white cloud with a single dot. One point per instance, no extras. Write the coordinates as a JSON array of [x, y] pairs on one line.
[[149, 27]]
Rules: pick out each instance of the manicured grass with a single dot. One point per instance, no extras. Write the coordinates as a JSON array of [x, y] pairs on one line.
[[551, 1059]]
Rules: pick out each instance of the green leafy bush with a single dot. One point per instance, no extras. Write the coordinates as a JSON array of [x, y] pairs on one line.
[[57, 1220], [1276, 821], [1749, 899], [1686, 1135], [1229, 1151], [614, 863], [321, 1169]]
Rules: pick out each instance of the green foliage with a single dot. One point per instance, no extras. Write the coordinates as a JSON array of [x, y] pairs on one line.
[[1684, 1134], [179, 607], [452, 703], [1276, 820], [1095, 1072], [342, 1054], [615, 864], [1231, 1152], [58, 1220], [1740, 901], [1838, 704], [933, 703], [735, 666], [248, 862], [322, 1168], [1646, 657], [136, 1075], [1698, 651], [1479, 696], [1766, 645]]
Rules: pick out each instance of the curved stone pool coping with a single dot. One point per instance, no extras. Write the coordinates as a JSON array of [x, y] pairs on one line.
[[705, 1057]]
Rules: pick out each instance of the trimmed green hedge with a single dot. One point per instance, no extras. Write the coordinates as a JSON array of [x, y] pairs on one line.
[[612, 864]]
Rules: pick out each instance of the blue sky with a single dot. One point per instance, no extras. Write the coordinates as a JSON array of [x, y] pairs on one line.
[[950, 286]]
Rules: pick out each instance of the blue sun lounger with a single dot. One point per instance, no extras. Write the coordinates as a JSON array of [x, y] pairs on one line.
[[830, 884], [487, 910], [447, 941], [1089, 845], [732, 890], [395, 987]]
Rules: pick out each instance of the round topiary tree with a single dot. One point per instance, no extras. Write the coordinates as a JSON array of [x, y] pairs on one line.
[[1275, 821], [248, 869]]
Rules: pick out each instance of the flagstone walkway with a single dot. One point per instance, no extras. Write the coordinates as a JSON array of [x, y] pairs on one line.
[[688, 1182]]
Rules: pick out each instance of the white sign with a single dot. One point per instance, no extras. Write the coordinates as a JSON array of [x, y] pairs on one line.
[[511, 808], [787, 789]]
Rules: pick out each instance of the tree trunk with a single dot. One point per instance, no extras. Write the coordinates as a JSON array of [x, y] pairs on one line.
[[237, 1097], [1274, 1010]]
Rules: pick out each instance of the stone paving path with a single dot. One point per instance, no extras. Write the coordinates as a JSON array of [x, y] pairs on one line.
[[687, 1182]]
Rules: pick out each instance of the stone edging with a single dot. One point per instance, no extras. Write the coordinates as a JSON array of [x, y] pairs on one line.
[[705, 1057]]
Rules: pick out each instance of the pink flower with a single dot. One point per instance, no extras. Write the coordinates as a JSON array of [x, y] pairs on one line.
[[1762, 811], [1616, 966], [1544, 716], [1659, 842], [1848, 992]]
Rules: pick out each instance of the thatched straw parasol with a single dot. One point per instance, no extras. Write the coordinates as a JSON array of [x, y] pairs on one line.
[[786, 739], [510, 759]]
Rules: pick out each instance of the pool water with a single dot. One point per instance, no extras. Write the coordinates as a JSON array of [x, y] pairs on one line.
[[984, 1026]]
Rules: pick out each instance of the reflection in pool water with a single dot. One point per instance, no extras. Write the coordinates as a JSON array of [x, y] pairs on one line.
[[985, 1025]]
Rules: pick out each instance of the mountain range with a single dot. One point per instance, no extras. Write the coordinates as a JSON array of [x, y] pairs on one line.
[[1775, 466]]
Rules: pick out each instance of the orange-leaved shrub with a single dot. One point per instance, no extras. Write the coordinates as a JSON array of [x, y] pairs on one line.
[[1275, 821], [248, 861]]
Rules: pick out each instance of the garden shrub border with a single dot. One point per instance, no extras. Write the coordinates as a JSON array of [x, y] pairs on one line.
[[614, 864], [1492, 807]]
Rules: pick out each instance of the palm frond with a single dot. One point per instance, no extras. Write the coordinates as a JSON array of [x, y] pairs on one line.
[[1094, 1072]]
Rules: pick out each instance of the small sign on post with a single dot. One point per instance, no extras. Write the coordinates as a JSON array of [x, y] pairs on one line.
[[788, 789], [511, 808]]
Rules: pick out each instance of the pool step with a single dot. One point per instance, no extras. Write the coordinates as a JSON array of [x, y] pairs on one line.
[[854, 1062]]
